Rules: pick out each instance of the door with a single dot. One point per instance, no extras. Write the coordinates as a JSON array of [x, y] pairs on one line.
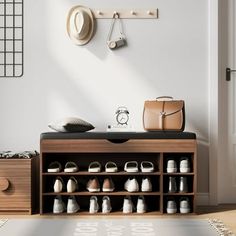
[[227, 102]]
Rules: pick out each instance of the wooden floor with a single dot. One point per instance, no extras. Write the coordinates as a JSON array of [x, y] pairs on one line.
[[225, 213]]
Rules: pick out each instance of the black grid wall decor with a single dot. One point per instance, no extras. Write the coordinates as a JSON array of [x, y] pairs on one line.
[[11, 38]]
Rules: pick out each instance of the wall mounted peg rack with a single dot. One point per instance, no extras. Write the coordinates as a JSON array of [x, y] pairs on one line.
[[126, 13]]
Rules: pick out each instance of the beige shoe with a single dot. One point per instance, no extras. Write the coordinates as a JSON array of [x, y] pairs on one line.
[[94, 167], [108, 185], [93, 185], [54, 167], [71, 167], [58, 185], [72, 185], [111, 167]]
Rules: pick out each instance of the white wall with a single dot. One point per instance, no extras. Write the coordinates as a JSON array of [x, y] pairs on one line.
[[167, 56]]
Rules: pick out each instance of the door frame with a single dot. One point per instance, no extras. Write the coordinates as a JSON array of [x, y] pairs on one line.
[[213, 62], [218, 89]]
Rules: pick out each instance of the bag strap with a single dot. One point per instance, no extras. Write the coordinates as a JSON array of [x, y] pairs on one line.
[[168, 97], [163, 114], [115, 17]]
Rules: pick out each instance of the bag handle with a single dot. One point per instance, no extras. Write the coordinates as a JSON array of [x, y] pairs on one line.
[[115, 17], [168, 97]]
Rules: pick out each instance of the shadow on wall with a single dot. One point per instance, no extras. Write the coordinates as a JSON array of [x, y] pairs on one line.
[[51, 78], [144, 71], [162, 64]]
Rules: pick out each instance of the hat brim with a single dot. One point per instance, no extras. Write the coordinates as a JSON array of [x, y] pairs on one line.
[[89, 36]]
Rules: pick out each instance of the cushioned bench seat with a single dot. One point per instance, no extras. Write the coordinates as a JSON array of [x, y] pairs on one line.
[[119, 135]]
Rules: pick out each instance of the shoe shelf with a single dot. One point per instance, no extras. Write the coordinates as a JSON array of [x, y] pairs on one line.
[[178, 194], [179, 174], [113, 213], [120, 193], [101, 173], [167, 155]]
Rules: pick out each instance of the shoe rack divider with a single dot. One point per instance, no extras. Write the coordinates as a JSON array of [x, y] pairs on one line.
[[83, 152]]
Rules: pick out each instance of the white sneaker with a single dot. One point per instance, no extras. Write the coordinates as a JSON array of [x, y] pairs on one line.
[[58, 205], [72, 185], [184, 206], [184, 165], [93, 206], [171, 166], [141, 205], [58, 185], [171, 207], [146, 185], [106, 205], [131, 185], [72, 205], [128, 206]]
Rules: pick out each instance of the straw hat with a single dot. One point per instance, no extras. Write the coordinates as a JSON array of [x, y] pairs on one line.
[[80, 24]]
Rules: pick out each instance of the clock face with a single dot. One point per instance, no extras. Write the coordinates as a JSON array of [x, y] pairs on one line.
[[122, 118]]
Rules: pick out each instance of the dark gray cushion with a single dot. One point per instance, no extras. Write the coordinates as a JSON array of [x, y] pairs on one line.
[[120, 135], [71, 124]]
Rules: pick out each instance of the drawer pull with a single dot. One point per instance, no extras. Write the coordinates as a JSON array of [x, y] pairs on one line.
[[118, 140], [4, 183]]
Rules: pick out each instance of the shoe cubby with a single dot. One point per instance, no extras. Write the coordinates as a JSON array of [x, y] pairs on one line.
[[184, 184], [85, 151], [118, 180], [177, 200], [177, 157], [117, 203], [84, 159]]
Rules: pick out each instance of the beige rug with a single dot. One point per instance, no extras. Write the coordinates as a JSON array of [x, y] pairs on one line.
[[112, 227]]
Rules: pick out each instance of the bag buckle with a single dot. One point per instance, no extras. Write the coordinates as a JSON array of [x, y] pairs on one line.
[[162, 114]]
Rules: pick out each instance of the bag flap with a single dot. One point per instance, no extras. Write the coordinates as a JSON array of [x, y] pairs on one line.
[[171, 107]]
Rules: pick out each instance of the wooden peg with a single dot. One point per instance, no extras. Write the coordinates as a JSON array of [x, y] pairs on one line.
[[132, 13]]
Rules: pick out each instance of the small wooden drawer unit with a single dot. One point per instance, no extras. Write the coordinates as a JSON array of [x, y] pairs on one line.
[[18, 185]]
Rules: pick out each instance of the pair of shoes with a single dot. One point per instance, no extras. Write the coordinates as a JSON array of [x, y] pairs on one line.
[[184, 206], [132, 166], [94, 206], [59, 205], [94, 186], [183, 185], [184, 165], [128, 206], [56, 167], [95, 167], [131, 185], [72, 185]]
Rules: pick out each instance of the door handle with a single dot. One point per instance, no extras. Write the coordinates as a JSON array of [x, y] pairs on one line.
[[228, 73]]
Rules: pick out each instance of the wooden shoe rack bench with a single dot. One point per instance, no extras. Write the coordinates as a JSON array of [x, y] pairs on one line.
[[84, 148]]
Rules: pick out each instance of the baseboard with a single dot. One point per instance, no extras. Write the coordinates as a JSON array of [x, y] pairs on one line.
[[202, 199]]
